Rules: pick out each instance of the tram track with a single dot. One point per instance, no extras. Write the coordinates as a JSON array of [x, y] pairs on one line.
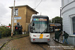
[[40, 45]]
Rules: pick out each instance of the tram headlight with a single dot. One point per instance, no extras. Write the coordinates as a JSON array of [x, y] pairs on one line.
[[34, 35], [47, 35]]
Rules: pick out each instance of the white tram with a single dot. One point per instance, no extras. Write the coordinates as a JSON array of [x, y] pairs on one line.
[[39, 29]]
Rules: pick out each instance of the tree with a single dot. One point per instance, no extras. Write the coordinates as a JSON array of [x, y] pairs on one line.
[[57, 19], [49, 21], [9, 24]]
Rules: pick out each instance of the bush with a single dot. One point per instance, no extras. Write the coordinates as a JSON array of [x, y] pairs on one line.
[[15, 32], [5, 31]]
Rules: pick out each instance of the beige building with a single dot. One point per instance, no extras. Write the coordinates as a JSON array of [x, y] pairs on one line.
[[22, 15]]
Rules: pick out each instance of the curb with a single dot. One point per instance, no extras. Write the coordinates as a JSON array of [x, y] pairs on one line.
[[5, 43], [2, 45], [58, 41], [62, 43]]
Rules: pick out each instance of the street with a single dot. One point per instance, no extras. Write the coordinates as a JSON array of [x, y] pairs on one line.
[[25, 44]]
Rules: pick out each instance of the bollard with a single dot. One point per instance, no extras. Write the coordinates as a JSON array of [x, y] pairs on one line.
[[57, 35]]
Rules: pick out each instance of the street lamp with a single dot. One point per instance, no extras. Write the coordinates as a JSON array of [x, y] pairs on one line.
[[13, 19]]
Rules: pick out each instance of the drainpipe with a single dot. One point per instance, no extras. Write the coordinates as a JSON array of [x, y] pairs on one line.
[[60, 18]]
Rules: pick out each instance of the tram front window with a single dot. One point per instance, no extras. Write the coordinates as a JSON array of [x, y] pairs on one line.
[[40, 26]]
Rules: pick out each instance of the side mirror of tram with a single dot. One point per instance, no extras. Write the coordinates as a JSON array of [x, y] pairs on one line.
[[31, 29]]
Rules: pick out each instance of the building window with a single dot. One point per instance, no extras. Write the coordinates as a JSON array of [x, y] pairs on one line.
[[16, 12], [73, 22]]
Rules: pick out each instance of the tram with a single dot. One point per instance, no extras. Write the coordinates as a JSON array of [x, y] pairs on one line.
[[39, 28]]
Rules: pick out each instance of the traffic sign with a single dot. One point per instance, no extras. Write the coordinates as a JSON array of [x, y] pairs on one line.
[[17, 17]]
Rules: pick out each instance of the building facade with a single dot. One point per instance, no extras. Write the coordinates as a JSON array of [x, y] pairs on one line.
[[68, 15], [22, 15]]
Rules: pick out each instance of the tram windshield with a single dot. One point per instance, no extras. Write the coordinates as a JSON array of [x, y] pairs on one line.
[[40, 26]]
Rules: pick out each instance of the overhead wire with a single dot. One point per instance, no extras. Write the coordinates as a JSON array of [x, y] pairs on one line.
[[38, 4]]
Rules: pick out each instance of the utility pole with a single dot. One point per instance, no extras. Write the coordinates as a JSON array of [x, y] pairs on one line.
[[12, 32]]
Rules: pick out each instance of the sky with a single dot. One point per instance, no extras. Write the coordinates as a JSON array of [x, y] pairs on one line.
[[51, 8]]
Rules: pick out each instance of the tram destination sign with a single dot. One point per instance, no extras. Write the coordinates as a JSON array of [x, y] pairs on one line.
[[36, 19]]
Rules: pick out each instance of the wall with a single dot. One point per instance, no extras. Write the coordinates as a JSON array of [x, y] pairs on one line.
[[22, 14], [25, 13], [28, 16], [65, 2], [67, 13]]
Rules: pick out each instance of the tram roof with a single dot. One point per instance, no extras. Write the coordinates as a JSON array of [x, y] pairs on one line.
[[35, 15]]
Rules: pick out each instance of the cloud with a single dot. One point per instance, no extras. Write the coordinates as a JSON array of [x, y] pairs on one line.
[[55, 0], [4, 16], [3, 10], [50, 8], [6, 20]]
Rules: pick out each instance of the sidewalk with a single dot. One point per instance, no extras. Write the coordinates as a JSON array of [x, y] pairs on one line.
[[3, 41]]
